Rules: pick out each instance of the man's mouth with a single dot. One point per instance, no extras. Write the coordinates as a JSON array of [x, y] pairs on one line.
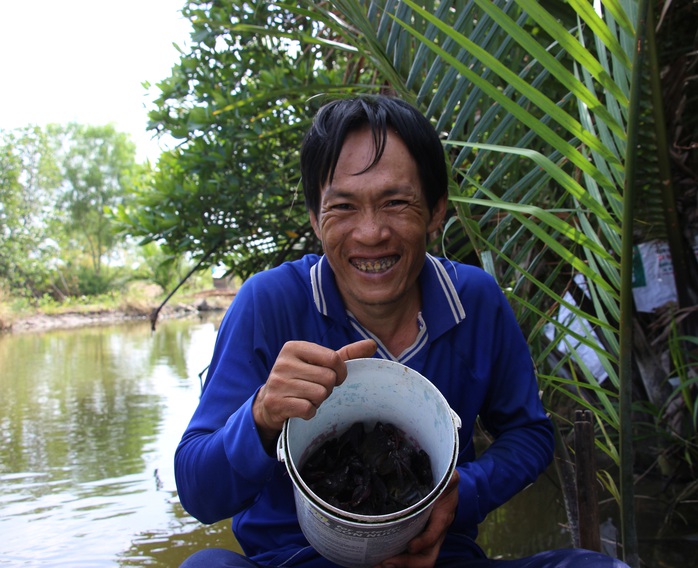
[[374, 264]]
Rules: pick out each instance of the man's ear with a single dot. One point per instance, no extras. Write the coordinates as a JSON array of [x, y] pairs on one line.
[[437, 215], [315, 225]]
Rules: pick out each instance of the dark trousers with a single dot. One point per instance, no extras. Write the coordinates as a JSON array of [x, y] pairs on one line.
[[561, 558]]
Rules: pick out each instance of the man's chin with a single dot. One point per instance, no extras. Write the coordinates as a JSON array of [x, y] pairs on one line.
[[377, 300]]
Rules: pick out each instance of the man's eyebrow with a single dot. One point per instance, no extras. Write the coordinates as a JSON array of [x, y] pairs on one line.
[[337, 192], [334, 191]]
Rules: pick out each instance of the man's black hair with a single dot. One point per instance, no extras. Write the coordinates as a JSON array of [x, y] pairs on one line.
[[334, 121]]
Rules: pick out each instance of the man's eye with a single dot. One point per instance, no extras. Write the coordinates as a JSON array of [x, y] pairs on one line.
[[342, 206], [397, 203]]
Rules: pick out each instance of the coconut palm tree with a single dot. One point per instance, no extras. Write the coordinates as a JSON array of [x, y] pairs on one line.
[[550, 116]]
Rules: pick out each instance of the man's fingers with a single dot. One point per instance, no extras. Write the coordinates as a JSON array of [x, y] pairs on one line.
[[303, 376], [441, 518]]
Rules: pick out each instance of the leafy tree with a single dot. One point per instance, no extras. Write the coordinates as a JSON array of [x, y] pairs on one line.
[[56, 184], [240, 101], [29, 180], [98, 165], [164, 270]]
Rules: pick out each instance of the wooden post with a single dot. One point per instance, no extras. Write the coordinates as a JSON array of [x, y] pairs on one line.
[[585, 466]]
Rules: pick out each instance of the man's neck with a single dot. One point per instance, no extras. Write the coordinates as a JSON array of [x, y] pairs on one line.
[[396, 326]]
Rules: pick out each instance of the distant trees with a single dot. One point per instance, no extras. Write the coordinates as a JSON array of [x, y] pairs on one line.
[[29, 180], [57, 185], [98, 164]]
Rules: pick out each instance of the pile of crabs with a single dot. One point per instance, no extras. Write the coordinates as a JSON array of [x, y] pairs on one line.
[[369, 471]]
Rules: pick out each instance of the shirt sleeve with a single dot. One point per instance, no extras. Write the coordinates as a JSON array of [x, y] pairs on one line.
[[511, 411], [220, 463]]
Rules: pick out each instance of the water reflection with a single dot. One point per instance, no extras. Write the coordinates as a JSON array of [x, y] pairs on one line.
[[532, 521], [89, 422]]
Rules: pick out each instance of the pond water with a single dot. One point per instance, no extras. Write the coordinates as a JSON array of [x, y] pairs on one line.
[[89, 422]]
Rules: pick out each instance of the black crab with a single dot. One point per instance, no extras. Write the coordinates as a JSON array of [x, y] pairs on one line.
[[374, 472]]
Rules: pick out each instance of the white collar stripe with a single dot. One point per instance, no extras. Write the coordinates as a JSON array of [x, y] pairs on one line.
[[316, 284], [449, 290]]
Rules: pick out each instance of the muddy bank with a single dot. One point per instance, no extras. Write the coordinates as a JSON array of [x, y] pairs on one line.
[[206, 301]]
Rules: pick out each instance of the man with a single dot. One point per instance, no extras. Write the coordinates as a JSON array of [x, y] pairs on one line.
[[375, 185]]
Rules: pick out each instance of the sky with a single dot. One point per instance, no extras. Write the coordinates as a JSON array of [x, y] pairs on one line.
[[85, 61]]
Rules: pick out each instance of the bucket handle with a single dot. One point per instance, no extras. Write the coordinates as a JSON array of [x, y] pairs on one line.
[[456, 419], [280, 446]]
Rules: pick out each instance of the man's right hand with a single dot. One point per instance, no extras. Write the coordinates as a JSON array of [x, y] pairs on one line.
[[301, 379]]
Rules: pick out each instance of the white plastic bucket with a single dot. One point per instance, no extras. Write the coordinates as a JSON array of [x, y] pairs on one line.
[[375, 390]]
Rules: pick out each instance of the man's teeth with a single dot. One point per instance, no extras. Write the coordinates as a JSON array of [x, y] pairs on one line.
[[376, 265]]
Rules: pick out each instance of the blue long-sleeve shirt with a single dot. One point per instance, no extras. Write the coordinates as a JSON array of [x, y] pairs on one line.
[[469, 346]]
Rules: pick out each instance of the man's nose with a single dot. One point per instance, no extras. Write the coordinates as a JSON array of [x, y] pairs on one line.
[[372, 227]]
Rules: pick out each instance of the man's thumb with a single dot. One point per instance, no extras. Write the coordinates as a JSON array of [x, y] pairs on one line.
[[363, 348]]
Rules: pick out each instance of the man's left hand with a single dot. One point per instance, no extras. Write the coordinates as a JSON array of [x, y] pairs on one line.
[[423, 550]]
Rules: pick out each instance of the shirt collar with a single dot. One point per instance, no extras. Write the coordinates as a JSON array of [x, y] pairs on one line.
[[441, 310]]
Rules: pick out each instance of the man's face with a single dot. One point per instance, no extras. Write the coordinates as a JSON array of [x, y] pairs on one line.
[[374, 226]]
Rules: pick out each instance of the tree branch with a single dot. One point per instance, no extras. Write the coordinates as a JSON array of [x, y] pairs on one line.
[[154, 314]]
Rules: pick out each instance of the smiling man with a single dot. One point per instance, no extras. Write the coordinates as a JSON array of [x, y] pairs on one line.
[[375, 185]]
